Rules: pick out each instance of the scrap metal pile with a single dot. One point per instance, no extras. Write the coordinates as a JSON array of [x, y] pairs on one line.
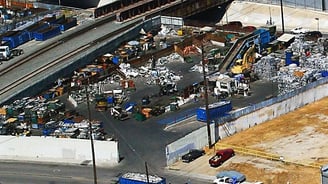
[[304, 62], [114, 91], [39, 116]]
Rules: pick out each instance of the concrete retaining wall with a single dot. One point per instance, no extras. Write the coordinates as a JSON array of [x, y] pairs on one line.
[[247, 117], [50, 149]]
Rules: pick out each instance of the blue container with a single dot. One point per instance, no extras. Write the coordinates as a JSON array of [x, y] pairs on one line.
[[47, 33], [110, 100], [324, 73], [15, 38], [216, 110], [71, 22], [116, 60], [11, 37], [24, 37], [288, 59], [68, 121], [35, 28]]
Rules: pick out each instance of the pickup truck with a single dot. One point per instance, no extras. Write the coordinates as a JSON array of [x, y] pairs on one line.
[[227, 180], [232, 177]]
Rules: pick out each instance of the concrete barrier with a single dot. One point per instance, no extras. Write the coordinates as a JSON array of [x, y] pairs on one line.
[[59, 150]]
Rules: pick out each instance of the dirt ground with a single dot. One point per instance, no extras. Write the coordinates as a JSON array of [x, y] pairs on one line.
[[300, 137]]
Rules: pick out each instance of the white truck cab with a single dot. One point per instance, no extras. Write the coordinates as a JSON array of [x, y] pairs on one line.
[[4, 53]]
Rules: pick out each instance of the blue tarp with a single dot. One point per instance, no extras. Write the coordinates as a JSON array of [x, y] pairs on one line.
[[68, 121]]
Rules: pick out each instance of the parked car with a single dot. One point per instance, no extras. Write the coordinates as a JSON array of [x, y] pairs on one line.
[[299, 30], [192, 155], [221, 156], [313, 35]]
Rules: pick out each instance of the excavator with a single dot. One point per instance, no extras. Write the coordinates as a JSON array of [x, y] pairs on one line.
[[243, 66]]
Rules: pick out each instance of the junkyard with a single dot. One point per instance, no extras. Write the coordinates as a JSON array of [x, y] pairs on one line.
[[175, 76]]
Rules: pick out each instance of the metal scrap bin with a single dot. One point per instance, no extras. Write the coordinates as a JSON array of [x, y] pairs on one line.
[[216, 110], [139, 117]]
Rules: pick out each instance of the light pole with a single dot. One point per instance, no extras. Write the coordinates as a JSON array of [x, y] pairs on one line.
[[90, 134], [317, 19], [206, 101]]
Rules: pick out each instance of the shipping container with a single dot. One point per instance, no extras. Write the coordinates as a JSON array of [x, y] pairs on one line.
[[216, 110], [47, 33], [138, 178], [15, 38]]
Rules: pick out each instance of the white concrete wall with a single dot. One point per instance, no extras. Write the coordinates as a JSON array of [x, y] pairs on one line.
[[51, 149], [198, 138]]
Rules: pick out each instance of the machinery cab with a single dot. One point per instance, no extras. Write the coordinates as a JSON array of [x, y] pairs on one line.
[[244, 65], [5, 53], [225, 85]]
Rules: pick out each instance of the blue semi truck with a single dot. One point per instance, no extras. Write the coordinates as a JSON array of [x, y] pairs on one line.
[[139, 178]]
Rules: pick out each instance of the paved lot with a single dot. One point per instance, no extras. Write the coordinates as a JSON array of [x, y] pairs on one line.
[[256, 14]]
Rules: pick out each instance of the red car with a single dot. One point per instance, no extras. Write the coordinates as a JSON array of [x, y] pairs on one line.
[[221, 156]]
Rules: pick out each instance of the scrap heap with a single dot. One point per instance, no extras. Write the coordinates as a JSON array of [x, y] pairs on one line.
[[304, 62]]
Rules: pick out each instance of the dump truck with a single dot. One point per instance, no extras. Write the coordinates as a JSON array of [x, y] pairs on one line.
[[6, 53], [139, 178]]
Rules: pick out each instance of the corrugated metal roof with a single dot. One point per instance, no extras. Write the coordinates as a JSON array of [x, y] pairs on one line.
[[286, 37]]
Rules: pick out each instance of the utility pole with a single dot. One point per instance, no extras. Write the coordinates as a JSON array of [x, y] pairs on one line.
[[147, 172], [282, 17], [206, 101], [90, 134]]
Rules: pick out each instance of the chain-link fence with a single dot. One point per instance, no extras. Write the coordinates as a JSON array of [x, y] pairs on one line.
[[306, 4]]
